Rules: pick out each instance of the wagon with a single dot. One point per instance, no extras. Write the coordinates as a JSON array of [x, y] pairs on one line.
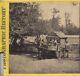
[[55, 46]]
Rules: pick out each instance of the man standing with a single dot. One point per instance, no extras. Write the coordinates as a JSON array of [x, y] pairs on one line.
[[67, 47]]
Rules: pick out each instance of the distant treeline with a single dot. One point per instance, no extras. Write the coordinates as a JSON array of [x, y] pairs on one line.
[[25, 18]]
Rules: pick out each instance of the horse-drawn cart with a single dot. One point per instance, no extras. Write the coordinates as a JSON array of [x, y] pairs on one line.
[[54, 47]]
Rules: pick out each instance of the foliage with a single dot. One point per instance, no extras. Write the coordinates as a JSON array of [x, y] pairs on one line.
[[55, 20], [24, 17]]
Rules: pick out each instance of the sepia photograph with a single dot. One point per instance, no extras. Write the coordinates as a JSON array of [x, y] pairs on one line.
[[44, 37]]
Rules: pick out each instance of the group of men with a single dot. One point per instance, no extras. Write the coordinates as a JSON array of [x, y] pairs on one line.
[[62, 49], [42, 44]]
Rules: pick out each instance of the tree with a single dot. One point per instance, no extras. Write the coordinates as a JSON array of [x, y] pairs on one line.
[[70, 28], [23, 16], [55, 20]]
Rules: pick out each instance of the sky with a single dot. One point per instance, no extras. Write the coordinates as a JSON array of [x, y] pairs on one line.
[[73, 10]]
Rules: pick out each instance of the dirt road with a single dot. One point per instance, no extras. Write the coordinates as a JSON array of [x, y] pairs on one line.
[[26, 64]]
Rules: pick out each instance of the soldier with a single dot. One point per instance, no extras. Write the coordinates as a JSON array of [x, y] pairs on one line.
[[37, 41], [67, 49], [38, 46]]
